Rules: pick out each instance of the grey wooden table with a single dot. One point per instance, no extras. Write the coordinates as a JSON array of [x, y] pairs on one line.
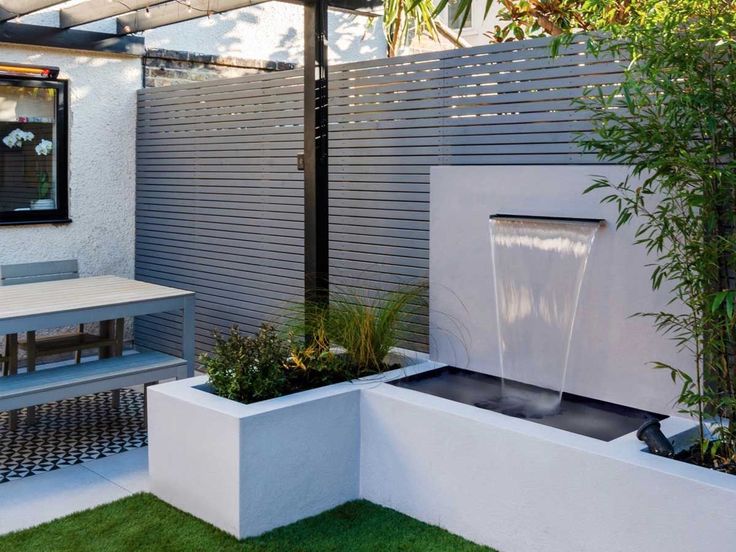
[[27, 307]]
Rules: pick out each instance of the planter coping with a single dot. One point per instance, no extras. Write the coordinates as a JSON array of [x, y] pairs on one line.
[[625, 449], [190, 390]]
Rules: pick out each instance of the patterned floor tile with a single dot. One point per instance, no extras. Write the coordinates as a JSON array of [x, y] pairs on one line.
[[70, 432]]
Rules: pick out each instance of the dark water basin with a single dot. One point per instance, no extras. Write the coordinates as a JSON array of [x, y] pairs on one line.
[[582, 415]]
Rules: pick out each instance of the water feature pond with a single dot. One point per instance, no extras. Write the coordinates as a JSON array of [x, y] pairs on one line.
[[582, 415]]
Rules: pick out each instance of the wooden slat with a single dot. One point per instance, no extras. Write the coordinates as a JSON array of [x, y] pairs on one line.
[[53, 384], [82, 293]]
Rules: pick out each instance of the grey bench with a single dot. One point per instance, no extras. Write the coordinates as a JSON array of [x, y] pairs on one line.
[[108, 342], [64, 382]]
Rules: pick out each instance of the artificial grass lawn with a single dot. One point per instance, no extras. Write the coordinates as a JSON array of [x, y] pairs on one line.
[[144, 523]]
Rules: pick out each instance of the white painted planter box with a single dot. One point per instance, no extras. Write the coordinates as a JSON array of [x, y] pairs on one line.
[[519, 486], [501, 481], [249, 468]]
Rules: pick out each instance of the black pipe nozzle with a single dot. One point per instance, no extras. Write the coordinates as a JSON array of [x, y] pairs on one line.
[[652, 435]]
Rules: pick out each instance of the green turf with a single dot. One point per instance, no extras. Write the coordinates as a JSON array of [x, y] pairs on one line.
[[143, 523]]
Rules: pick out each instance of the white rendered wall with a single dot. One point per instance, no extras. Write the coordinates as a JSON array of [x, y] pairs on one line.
[[101, 166], [269, 31], [518, 486], [509, 483], [611, 351], [248, 468]]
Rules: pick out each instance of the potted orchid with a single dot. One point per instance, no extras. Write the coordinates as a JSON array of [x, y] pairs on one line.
[[16, 139], [44, 148]]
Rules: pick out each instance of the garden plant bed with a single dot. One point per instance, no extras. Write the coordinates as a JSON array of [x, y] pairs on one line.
[[692, 456], [143, 522]]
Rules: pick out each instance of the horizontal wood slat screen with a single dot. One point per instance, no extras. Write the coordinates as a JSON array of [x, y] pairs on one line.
[[220, 200]]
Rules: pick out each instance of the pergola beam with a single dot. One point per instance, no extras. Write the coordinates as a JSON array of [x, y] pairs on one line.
[[96, 10], [10, 9], [52, 37], [175, 11]]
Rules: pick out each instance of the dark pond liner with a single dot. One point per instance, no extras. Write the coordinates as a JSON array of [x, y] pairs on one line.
[[582, 415]]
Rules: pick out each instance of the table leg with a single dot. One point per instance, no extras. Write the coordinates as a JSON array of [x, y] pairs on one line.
[[6, 356], [187, 335], [118, 332], [12, 360], [78, 352], [31, 367], [107, 330], [119, 336]]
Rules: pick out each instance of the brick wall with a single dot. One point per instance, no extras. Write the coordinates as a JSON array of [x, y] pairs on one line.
[[167, 67]]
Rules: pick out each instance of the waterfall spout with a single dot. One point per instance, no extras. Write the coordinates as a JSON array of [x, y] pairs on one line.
[[538, 269]]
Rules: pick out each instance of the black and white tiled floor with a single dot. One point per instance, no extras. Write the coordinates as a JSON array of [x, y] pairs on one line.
[[70, 432]]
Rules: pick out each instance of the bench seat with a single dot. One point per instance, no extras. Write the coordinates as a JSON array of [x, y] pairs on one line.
[[64, 382]]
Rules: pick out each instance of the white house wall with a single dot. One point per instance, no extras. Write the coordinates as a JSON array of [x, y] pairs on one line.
[[102, 91], [269, 31]]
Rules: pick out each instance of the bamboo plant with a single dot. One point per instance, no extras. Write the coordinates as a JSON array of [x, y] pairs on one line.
[[673, 121]]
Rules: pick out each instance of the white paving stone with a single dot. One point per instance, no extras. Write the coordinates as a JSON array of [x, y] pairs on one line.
[[41, 498], [129, 469]]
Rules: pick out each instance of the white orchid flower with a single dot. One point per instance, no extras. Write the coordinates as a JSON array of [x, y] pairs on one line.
[[44, 147], [17, 137]]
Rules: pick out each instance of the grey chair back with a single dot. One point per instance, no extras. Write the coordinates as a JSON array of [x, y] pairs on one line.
[[26, 273]]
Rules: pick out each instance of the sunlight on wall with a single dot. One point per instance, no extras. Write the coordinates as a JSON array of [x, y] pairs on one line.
[[270, 31]]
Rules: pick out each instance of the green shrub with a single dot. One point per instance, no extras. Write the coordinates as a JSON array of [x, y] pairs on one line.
[[248, 369], [367, 328]]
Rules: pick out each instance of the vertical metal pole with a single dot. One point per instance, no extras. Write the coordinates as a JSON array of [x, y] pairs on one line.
[[316, 156]]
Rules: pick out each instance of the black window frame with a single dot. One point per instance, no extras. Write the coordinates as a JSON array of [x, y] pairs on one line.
[[60, 215]]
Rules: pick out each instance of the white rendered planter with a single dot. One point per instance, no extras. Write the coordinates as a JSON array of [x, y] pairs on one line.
[[523, 487], [249, 468], [497, 480]]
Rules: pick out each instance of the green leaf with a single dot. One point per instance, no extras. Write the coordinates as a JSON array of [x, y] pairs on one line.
[[718, 300]]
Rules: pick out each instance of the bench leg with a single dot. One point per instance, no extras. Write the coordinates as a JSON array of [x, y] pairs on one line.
[[31, 360], [11, 345]]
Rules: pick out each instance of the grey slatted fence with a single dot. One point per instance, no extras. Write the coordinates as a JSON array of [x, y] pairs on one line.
[[220, 199]]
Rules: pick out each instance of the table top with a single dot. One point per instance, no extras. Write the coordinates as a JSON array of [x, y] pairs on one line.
[[41, 298]]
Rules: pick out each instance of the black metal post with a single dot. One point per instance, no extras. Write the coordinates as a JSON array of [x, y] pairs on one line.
[[316, 156]]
